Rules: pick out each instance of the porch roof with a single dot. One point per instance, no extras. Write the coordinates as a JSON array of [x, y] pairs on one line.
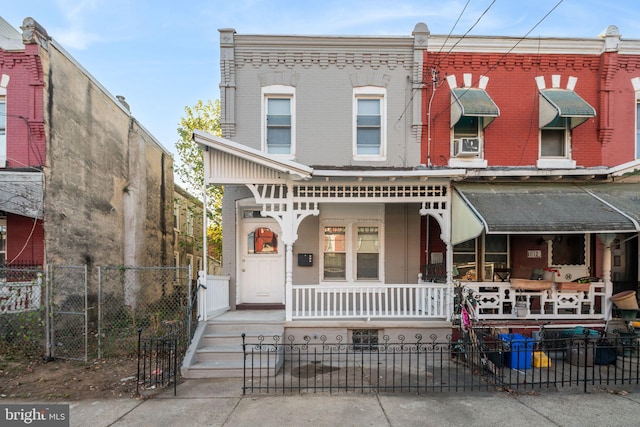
[[21, 193], [556, 208]]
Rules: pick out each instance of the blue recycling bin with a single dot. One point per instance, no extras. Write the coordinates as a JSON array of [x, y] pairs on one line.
[[518, 350]]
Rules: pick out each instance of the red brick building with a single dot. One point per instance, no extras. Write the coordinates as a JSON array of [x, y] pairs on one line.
[[542, 127]]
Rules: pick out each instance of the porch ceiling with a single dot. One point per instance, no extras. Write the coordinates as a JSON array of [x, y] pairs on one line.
[[540, 208]]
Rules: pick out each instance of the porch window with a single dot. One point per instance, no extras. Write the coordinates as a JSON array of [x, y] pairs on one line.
[[568, 249], [464, 260], [262, 241], [367, 253], [335, 255], [496, 254]]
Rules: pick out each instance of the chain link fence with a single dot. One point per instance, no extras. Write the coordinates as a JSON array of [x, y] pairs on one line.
[[71, 312]]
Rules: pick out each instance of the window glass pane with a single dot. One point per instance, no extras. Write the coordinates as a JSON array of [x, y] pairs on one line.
[[279, 106], [495, 243], [367, 239], [367, 266], [370, 107], [466, 126], [334, 265], [568, 249], [3, 116], [552, 144], [334, 239], [279, 125], [369, 137], [464, 260], [264, 241]]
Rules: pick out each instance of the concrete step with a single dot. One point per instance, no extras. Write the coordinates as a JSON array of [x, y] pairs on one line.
[[219, 352]]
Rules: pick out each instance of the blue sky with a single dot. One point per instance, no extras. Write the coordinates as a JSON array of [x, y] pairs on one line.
[[163, 55]]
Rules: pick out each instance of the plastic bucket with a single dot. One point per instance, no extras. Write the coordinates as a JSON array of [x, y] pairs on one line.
[[625, 300]]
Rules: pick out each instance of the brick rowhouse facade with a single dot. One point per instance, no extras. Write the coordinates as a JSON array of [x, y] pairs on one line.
[[512, 139]]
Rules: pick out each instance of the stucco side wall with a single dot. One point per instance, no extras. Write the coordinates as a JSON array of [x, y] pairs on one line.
[[107, 188]]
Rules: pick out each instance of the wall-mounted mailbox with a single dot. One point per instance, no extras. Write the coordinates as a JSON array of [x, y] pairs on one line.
[[305, 260]]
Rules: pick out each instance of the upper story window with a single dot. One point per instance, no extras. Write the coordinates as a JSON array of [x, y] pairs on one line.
[[554, 140], [176, 215], [189, 224], [369, 123], [560, 111], [472, 110], [467, 138], [279, 120]]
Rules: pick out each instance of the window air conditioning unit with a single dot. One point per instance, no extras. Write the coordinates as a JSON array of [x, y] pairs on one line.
[[467, 147]]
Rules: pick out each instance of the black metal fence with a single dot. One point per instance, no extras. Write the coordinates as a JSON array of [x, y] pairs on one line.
[[158, 360], [479, 360]]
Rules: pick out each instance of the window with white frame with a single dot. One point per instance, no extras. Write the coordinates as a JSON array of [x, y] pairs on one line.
[[190, 265], [176, 215], [279, 120], [351, 252], [464, 261], [467, 137], [189, 223], [554, 140], [496, 254], [369, 123]]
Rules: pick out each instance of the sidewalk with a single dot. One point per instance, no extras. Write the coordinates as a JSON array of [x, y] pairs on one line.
[[219, 402]]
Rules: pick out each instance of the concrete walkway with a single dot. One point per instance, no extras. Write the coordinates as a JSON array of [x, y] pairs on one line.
[[219, 402]]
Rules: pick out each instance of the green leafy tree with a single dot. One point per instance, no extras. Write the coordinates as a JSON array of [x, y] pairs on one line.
[[203, 116]]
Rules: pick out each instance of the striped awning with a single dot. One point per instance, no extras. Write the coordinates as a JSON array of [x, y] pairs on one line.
[[566, 103], [472, 102]]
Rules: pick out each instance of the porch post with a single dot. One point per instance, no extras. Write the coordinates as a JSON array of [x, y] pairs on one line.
[[606, 240], [288, 282]]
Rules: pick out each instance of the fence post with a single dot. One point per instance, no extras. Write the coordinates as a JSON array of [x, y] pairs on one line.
[[47, 313]]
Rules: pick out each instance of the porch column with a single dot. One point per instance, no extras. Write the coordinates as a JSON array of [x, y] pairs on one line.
[[288, 282], [607, 239]]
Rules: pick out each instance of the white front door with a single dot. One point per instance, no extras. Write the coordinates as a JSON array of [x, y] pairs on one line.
[[261, 275]]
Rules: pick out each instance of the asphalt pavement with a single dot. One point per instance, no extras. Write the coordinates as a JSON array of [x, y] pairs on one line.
[[220, 402]]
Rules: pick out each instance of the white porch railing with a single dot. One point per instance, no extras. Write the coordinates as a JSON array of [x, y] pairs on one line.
[[497, 300], [213, 296], [349, 301]]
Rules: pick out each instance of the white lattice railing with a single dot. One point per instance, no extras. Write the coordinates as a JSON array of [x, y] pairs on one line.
[[342, 301], [497, 300]]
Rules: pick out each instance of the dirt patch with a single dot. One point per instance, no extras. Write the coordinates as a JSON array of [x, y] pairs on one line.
[[68, 380]]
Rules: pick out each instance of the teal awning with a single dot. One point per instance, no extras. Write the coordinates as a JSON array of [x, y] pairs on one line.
[[472, 102], [556, 103]]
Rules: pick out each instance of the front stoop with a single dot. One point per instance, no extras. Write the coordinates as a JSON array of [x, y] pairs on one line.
[[216, 348]]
